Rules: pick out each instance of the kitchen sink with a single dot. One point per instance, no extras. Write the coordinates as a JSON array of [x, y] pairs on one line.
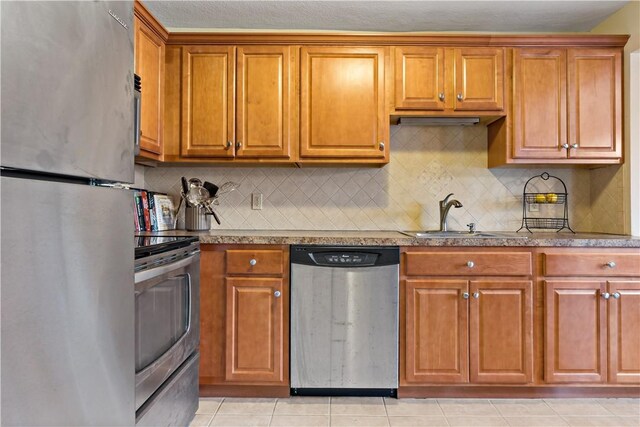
[[461, 235]]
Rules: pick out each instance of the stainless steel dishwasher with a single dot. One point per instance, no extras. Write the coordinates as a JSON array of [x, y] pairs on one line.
[[344, 320]]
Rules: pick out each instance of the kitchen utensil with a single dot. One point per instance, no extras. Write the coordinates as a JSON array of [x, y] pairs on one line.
[[211, 188], [194, 182], [227, 187], [185, 185]]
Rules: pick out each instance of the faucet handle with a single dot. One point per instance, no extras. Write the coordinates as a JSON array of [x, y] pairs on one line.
[[472, 227]]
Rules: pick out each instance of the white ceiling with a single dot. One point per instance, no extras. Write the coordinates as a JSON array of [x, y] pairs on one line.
[[394, 15]]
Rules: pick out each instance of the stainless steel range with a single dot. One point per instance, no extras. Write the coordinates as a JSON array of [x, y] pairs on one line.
[[167, 292]]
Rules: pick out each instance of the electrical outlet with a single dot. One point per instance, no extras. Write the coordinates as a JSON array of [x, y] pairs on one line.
[[534, 207], [256, 201]]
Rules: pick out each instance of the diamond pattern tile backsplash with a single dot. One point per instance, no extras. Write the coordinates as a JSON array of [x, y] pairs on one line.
[[426, 164]]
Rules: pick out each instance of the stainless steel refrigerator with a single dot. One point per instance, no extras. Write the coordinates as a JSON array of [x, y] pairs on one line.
[[67, 301]]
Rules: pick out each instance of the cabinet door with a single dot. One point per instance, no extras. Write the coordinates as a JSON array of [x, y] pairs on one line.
[[595, 103], [149, 65], [419, 78], [540, 103], [342, 111], [255, 329], [501, 332], [575, 332], [207, 101], [264, 96], [624, 332], [479, 78], [436, 331]]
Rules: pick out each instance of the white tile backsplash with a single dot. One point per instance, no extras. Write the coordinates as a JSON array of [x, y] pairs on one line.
[[426, 164]]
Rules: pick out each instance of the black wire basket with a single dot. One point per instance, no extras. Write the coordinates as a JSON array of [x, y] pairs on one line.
[[553, 201]]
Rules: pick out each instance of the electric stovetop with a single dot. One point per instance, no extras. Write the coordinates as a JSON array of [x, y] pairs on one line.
[[152, 245]]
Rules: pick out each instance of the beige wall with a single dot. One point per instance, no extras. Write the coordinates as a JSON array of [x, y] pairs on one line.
[[609, 185], [426, 164]]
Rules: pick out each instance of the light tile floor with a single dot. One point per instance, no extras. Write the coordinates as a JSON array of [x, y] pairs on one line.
[[376, 411]]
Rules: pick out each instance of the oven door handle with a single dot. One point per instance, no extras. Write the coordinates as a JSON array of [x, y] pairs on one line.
[[145, 275]]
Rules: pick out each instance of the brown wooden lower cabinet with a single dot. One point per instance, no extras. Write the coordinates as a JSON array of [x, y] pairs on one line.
[[436, 331], [624, 332], [501, 331], [592, 331], [255, 329], [460, 331], [244, 320], [575, 331]]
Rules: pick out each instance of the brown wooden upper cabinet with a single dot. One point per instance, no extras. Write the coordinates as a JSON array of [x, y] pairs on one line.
[[149, 65], [567, 104], [439, 79], [236, 102], [342, 103]]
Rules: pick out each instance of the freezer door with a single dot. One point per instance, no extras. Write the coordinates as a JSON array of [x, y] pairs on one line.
[[67, 307], [67, 88]]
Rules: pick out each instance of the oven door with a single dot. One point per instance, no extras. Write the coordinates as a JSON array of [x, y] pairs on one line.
[[167, 326]]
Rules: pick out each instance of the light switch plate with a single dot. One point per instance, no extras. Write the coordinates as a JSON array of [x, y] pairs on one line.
[[256, 201], [534, 207]]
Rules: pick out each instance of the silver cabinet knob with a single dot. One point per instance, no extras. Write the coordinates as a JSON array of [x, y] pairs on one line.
[[441, 96], [565, 146], [471, 264], [476, 295], [611, 264], [277, 294], [238, 145], [606, 295], [460, 97], [616, 295], [252, 261], [574, 146], [465, 295], [381, 145], [229, 145]]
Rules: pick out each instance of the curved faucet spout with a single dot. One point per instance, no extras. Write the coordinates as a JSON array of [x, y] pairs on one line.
[[445, 206]]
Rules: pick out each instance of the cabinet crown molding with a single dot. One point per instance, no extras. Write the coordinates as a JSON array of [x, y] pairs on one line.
[[397, 39]]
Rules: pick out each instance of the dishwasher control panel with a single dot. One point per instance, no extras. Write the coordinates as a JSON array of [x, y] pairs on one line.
[[344, 258]]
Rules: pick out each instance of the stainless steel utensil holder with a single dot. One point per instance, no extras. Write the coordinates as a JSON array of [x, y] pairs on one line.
[[196, 219]]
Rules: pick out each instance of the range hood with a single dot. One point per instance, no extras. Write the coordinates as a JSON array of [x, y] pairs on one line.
[[439, 121]]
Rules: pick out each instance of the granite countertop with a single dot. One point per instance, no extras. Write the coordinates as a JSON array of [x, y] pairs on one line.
[[396, 238]]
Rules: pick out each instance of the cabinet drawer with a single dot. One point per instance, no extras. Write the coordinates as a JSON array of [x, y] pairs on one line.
[[468, 263], [248, 261], [592, 264]]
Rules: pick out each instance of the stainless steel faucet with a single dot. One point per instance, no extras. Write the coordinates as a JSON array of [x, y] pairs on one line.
[[445, 205]]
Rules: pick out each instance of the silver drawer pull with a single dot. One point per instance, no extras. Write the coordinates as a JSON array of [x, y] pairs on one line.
[[605, 295], [252, 261], [471, 264], [460, 97], [465, 295], [476, 295], [611, 264], [616, 295], [277, 294]]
